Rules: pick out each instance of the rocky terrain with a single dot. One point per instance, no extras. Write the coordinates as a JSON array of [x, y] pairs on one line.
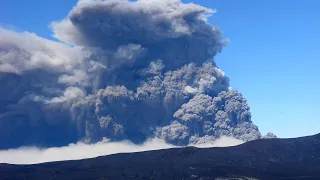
[[297, 158]]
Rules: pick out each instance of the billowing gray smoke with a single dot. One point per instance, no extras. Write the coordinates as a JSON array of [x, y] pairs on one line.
[[126, 70]]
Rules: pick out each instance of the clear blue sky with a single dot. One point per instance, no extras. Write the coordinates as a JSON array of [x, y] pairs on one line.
[[273, 58]]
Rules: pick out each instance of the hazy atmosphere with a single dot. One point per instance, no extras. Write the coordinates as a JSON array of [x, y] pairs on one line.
[[33, 155]]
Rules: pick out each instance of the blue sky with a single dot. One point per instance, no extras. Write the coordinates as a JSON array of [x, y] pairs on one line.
[[273, 58]]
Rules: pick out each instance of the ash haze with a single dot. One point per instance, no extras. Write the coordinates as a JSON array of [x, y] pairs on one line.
[[34, 155], [122, 70]]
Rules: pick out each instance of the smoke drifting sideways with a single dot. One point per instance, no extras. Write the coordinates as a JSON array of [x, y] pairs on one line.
[[34, 155], [121, 70]]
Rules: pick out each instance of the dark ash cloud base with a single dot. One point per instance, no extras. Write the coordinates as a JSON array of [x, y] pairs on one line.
[[123, 71]]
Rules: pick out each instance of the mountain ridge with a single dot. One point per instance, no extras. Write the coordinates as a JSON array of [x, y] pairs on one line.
[[292, 158]]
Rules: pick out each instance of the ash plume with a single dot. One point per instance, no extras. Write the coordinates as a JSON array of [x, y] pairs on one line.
[[123, 71], [269, 135]]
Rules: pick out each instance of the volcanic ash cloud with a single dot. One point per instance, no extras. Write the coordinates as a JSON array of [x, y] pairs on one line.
[[123, 71]]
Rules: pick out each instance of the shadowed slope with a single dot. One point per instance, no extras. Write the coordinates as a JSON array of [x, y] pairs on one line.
[[297, 158]]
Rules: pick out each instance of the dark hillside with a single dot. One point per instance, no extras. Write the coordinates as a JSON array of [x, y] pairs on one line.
[[297, 158]]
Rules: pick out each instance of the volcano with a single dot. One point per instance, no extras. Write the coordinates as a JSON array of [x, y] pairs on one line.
[[265, 159]]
